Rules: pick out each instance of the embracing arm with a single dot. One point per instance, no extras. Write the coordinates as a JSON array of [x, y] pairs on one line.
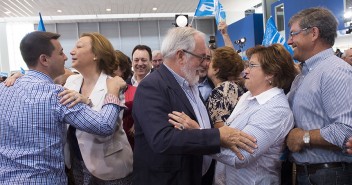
[[11, 80], [231, 138], [269, 126], [152, 103], [103, 122]]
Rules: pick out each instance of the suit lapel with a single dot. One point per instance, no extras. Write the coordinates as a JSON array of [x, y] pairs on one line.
[[99, 90], [76, 83]]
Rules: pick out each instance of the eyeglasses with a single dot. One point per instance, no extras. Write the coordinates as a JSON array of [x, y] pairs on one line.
[[253, 65], [202, 58], [293, 33]]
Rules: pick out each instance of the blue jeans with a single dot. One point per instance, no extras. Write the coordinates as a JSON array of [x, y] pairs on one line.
[[331, 176]]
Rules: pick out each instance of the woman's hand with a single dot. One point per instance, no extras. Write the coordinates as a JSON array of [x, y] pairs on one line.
[[116, 85], [11, 80], [222, 27], [74, 97], [181, 121]]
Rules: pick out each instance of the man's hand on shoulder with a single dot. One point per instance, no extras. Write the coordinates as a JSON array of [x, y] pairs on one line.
[[235, 139]]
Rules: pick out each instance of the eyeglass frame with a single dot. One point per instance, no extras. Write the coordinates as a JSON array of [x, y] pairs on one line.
[[202, 58], [294, 33], [251, 66]]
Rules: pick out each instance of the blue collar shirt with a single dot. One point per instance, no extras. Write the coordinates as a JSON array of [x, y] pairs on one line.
[[33, 129], [320, 98]]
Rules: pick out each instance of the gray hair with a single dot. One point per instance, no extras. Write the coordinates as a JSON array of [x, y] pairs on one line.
[[179, 38], [321, 18], [156, 52]]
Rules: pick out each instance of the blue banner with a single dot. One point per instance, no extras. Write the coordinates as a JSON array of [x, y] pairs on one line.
[[3, 74], [272, 36], [41, 26], [205, 8], [22, 70], [211, 8], [220, 15]]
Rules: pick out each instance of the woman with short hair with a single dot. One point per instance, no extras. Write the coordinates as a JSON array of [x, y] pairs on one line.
[[263, 112]]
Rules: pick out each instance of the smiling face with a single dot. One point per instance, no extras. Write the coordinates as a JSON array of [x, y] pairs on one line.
[[82, 54], [301, 42], [141, 63], [256, 80], [193, 65]]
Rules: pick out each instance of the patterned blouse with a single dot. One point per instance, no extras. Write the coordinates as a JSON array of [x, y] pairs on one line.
[[223, 100]]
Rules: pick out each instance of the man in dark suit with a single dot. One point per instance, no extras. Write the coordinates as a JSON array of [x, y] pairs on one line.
[[165, 155]]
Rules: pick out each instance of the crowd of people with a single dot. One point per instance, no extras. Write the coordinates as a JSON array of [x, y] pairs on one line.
[[186, 114]]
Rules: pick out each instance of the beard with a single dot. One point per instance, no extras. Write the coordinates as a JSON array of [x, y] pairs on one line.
[[191, 75]]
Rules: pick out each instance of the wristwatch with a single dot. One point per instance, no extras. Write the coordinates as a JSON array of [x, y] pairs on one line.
[[306, 139]]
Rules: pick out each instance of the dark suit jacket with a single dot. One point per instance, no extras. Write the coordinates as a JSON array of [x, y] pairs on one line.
[[164, 155]]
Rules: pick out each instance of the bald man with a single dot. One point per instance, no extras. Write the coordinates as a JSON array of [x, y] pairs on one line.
[[347, 56]]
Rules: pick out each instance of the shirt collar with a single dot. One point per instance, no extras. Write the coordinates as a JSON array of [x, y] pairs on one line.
[[39, 75], [134, 80], [204, 82], [313, 61], [265, 96]]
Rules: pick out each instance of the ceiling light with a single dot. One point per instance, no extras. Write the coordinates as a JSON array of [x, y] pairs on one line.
[[181, 20], [155, 9], [108, 9], [59, 11], [7, 12]]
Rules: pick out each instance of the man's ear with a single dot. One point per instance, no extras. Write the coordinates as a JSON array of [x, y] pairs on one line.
[[44, 60], [180, 56], [315, 32]]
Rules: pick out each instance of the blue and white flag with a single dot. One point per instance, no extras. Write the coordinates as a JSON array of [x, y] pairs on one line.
[[272, 36], [22, 70], [211, 8], [3, 74], [41, 26], [220, 14]]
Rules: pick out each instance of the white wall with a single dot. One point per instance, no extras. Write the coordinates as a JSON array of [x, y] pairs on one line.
[[235, 9], [343, 42], [4, 64], [15, 32]]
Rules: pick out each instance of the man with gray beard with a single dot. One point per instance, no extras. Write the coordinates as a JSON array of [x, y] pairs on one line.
[[163, 154]]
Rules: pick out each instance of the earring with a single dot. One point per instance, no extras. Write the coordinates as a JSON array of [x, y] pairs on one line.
[[94, 58], [269, 82]]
